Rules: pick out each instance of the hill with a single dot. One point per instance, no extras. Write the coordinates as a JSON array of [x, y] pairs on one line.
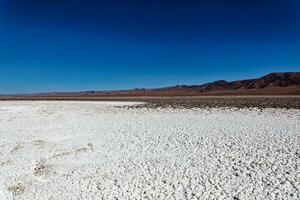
[[281, 83]]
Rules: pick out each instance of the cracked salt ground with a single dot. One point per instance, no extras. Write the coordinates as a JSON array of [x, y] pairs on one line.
[[101, 150]]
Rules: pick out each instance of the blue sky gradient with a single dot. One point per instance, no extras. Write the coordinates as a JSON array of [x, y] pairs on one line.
[[66, 45]]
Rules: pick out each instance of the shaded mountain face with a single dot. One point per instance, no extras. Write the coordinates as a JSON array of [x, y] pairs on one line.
[[271, 80], [276, 80]]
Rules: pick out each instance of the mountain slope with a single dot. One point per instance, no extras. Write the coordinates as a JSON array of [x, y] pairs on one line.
[[283, 83], [269, 82]]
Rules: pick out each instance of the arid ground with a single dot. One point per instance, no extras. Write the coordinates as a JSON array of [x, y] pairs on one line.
[[167, 148]]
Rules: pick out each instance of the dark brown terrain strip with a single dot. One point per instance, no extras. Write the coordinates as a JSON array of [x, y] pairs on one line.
[[263, 101]]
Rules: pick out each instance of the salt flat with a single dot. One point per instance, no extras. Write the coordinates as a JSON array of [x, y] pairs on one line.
[[105, 150]]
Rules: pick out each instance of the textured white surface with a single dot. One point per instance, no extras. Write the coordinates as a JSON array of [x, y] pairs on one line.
[[94, 150]]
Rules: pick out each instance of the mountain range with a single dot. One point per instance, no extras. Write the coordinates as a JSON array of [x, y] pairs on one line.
[[273, 83], [280, 83]]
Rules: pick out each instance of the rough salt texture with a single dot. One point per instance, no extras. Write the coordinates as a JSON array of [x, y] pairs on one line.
[[102, 150]]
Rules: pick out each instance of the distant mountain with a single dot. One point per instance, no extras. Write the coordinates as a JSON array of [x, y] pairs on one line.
[[275, 81], [281, 83]]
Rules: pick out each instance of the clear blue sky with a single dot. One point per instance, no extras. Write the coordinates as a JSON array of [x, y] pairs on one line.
[[73, 45]]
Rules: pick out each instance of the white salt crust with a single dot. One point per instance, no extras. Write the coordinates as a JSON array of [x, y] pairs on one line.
[[102, 150]]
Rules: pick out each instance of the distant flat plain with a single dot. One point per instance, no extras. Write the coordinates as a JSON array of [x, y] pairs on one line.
[[239, 101]]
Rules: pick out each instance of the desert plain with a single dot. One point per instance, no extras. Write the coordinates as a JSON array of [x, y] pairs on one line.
[[153, 149]]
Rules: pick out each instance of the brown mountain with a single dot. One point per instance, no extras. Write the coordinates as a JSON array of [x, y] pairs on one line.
[[270, 82], [283, 83]]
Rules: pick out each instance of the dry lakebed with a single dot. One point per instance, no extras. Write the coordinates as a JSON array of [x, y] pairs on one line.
[[116, 150]]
